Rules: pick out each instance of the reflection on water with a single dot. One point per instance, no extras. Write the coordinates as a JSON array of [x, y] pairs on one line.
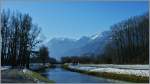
[[60, 75]]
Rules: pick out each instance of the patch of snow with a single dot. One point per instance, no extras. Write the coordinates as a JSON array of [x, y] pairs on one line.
[[95, 36], [5, 67], [138, 66], [123, 71], [82, 68], [24, 70], [138, 70]]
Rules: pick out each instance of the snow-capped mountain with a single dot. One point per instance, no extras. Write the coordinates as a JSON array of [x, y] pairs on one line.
[[95, 36], [94, 44], [57, 46]]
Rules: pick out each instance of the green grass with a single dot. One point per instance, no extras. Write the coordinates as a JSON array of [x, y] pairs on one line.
[[65, 66], [124, 77], [35, 75]]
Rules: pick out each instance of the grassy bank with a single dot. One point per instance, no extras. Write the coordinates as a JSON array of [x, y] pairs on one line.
[[37, 77], [36, 73], [124, 77], [22, 76]]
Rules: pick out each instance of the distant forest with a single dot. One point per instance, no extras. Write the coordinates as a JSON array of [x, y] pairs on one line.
[[129, 44]]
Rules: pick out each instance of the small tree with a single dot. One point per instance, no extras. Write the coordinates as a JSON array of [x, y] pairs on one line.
[[44, 54]]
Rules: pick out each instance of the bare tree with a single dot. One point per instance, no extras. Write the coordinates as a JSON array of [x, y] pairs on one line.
[[18, 38]]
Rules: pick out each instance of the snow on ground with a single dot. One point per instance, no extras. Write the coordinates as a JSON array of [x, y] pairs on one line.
[[138, 66], [82, 68], [5, 67], [123, 71], [119, 69], [25, 70]]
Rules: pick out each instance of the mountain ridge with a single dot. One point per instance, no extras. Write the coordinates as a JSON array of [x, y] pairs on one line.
[[93, 44]]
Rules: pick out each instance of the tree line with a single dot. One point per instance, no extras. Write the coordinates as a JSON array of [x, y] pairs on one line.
[[19, 39], [42, 56], [129, 44], [130, 41]]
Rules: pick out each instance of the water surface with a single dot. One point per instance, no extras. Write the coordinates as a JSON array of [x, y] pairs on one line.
[[60, 75]]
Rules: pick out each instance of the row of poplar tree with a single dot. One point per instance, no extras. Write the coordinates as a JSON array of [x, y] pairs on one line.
[[19, 38], [130, 41]]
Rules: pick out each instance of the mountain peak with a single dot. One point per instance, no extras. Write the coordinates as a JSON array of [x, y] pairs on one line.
[[95, 36]]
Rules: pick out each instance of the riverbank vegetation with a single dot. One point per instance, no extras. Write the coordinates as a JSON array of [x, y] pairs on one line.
[[37, 77]]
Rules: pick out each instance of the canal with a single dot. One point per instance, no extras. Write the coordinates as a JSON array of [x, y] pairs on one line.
[[60, 75]]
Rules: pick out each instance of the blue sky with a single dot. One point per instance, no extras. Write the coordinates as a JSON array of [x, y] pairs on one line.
[[76, 19]]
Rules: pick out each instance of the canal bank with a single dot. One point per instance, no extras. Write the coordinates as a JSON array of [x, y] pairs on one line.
[[21, 75], [116, 76], [17, 75], [61, 75]]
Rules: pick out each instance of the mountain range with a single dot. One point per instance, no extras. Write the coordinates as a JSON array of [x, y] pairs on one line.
[[93, 44]]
